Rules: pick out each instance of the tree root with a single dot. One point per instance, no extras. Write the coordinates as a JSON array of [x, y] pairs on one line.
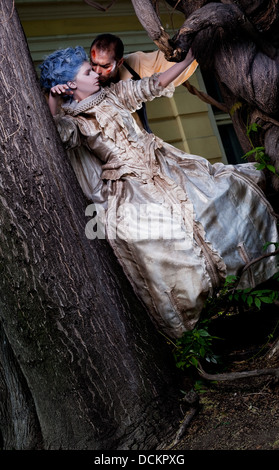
[[184, 425], [191, 398], [238, 375], [274, 350]]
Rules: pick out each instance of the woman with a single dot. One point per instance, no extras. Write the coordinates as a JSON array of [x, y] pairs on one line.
[[177, 224]]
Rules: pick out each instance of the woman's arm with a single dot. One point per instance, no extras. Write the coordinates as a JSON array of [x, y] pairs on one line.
[[54, 95], [172, 73]]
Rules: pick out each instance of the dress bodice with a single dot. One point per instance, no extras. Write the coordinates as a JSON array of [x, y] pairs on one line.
[[109, 131]]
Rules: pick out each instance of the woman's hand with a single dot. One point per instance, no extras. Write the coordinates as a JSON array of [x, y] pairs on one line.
[[173, 72], [55, 93], [61, 90]]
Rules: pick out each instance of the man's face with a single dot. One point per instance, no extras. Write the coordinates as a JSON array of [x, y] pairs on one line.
[[105, 65]]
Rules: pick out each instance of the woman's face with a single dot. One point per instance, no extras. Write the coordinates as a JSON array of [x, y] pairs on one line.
[[86, 82]]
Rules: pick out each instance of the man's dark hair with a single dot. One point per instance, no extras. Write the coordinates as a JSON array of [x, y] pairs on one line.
[[106, 41]]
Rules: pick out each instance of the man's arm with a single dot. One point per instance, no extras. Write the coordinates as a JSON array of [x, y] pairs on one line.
[[146, 64]]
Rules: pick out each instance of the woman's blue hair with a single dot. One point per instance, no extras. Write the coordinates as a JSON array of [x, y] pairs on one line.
[[62, 66]]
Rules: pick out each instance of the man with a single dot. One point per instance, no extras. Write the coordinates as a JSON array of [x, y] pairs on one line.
[[106, 55]]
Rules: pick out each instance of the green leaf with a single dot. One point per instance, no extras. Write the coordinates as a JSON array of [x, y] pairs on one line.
[[249, 300], [202, 352], [180, 364], [204, 333], [271, 168], [254, 127], [194, 361], [236, 106], [250, 152], [260, 166], [266, 300]]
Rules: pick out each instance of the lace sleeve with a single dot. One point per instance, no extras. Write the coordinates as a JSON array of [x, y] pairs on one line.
[[132, 93]]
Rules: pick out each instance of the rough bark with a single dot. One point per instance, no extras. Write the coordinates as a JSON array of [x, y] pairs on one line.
[[19, 425], [81, 365]]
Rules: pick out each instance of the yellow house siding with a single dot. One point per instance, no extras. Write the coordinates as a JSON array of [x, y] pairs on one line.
[[183, 121], [78, 26], [63, 17]]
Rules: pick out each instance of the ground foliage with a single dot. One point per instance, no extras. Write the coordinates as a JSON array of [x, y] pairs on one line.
[[240, 414], [197, 345]]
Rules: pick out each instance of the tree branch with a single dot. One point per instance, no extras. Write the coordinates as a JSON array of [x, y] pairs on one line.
[[205, 97], [98, 6], [152, 24], [256, 260], [237, 375]]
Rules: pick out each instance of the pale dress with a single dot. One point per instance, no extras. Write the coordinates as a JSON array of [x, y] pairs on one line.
[[177, 224]]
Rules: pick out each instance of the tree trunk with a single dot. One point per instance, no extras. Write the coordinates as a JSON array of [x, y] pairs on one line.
[[82, 366]]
